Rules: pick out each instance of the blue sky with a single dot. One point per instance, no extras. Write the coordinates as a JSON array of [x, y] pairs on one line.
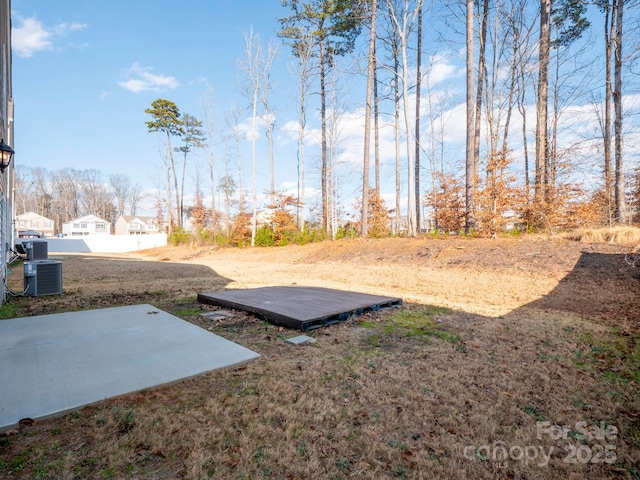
[[84, 72]]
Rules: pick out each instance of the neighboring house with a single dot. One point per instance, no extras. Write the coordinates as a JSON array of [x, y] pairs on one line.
[[87, 225], [136, 225], [32, 222]]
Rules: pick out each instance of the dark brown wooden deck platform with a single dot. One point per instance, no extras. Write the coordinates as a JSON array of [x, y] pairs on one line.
[[303, 308]]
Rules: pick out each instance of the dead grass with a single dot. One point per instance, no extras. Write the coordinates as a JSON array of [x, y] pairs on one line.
[[620, 235], [419, 392]]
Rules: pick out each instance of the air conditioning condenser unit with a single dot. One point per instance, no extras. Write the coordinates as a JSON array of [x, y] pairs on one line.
[[34, 250], [43, 277]]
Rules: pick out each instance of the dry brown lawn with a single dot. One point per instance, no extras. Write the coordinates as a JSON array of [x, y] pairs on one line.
[[511, 358]]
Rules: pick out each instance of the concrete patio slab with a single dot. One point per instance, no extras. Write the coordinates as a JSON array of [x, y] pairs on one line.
[[301, 340], [52, 364]]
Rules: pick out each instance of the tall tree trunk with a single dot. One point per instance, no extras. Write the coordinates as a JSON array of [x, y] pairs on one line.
[[227, 194], [609, 25], [542, 151], [620, 204], [482, 69], [254, 217], [209, 122], [513, 74], [236, 137], [272, 189], [396, 129], [323, 119], [411, 200], [523, 113], [175, 181], [301, 192], [168, 201], [332, 177], [470, 179], [432, 156], [364, 218], [552, 142], [303, 76], [212, 183], [184, 169], [376, 120], [417, 147]]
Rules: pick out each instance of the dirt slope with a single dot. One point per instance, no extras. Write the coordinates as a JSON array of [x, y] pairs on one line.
[[488, 277]]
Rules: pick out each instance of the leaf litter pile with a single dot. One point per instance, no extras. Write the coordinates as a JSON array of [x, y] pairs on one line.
[[511, 358]]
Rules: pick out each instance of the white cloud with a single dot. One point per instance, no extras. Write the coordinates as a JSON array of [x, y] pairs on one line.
[[289, 187], [139, 79], [29, 35], [64, 28], [245, 128], [441, 69], [290, 131], [105, 94]]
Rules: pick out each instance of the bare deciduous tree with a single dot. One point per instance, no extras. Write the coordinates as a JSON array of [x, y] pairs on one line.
[[251, 67], [135, 197], [331, 29], [619, 190], [404, 17], [210, 123], [364, 217], [268, 112], [121, 186], [192, 137], [303, 73], [471, 175]]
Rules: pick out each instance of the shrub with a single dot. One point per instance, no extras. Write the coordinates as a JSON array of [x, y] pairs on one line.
[[264, 237], [240, 231], [179, 236], [448, 202], [346, 231], [308, 235]]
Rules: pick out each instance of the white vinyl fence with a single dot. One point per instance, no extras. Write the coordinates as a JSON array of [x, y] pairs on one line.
[[103, 243]]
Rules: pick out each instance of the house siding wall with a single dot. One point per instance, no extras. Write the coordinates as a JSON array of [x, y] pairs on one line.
[[133, 225], [6, 133], [33, 221]]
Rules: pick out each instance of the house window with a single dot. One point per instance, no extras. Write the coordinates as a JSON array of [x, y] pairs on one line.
[[101, 226], [34, 224], [83, 225], [47, 224], [22, 223], [76, 225]]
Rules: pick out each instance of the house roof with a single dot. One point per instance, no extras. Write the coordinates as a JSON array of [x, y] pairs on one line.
[[87, 219], [31, 216], [141, 218]]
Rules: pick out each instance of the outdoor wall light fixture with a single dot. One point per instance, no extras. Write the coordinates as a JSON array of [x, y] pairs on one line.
[[6, 154]]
